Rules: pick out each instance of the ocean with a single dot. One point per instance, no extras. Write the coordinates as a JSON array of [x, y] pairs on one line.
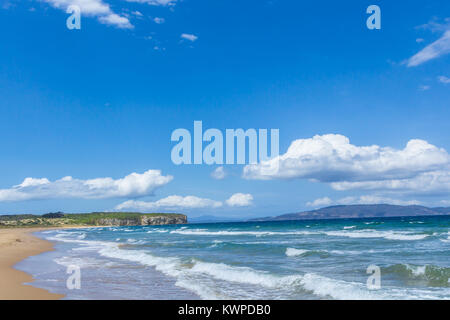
[[320, 259]]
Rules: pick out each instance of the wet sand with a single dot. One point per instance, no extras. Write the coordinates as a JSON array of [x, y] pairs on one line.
[[17, 244]]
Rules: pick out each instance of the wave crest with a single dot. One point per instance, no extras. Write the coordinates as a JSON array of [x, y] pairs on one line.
[[434, 276]]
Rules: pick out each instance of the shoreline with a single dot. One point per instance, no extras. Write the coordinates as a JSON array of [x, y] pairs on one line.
[[17, 244]]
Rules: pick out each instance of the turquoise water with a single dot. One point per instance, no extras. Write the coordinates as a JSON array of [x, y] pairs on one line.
[[325, 259]]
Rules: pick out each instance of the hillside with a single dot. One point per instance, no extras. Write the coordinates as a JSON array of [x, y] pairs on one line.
[[91, 219], [360, 211]]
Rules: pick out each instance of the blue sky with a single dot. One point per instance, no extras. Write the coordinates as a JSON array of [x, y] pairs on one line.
[[102, 102]]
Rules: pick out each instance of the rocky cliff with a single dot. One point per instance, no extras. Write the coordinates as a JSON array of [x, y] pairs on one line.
[[93, 219], [159, 220], [143, 220]]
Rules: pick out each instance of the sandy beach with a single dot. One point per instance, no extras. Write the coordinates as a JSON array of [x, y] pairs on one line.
[[16, 245]]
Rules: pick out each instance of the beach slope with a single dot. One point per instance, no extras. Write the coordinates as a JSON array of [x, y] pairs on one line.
[[16, 245]]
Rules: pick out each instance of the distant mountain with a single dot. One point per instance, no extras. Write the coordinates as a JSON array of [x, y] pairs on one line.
[[443, 210], [360, 211]]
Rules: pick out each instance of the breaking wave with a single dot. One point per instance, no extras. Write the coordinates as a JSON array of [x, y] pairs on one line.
[[370, 233], [364, 233], [433, 275], [292, 252], [273, 262]]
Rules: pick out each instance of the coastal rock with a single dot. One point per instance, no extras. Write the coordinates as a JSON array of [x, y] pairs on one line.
[[93, 219], [160, 220], [117, 222], [144, 220]]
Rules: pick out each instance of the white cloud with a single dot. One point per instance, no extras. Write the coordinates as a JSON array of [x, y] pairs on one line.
[[435, 26], [240, 200], [33, 182], [159, 20], [333, 159], [444, 79], [88, 7], [419, 40], [170, 203], [321, 202], [94, 8], [132, 185], [116, 20], [219, 173], [424, 87], [369, 199], [156, 2], [434, 182], [176, 202], [365, 199], [434, 50], [189, 37]]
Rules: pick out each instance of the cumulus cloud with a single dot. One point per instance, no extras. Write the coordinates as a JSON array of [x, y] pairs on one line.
[[189, 37], [333, 159], [444, 79], [156, 2], [158, 20], [369, 199], [321, 202], [219, 173], [116, 20], [94, 8], [365, 199], [132, 185], [431, 183], [434, 50], [240, 200], [170, 203], [176, 202]]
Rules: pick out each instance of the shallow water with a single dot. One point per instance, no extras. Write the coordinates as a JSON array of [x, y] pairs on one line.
[[325, 259]]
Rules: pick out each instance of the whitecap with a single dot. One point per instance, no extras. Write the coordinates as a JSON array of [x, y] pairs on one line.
[[370, 233], [204, 232], [292, 252]]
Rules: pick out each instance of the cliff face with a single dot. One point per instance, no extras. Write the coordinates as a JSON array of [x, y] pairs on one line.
[[160, 220], [117, 222], [143, 221], [93, 219]]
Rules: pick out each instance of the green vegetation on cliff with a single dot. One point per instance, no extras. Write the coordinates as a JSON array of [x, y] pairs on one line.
[[91, 219]]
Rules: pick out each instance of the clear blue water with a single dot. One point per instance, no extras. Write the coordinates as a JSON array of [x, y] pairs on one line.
[[261, 260]]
